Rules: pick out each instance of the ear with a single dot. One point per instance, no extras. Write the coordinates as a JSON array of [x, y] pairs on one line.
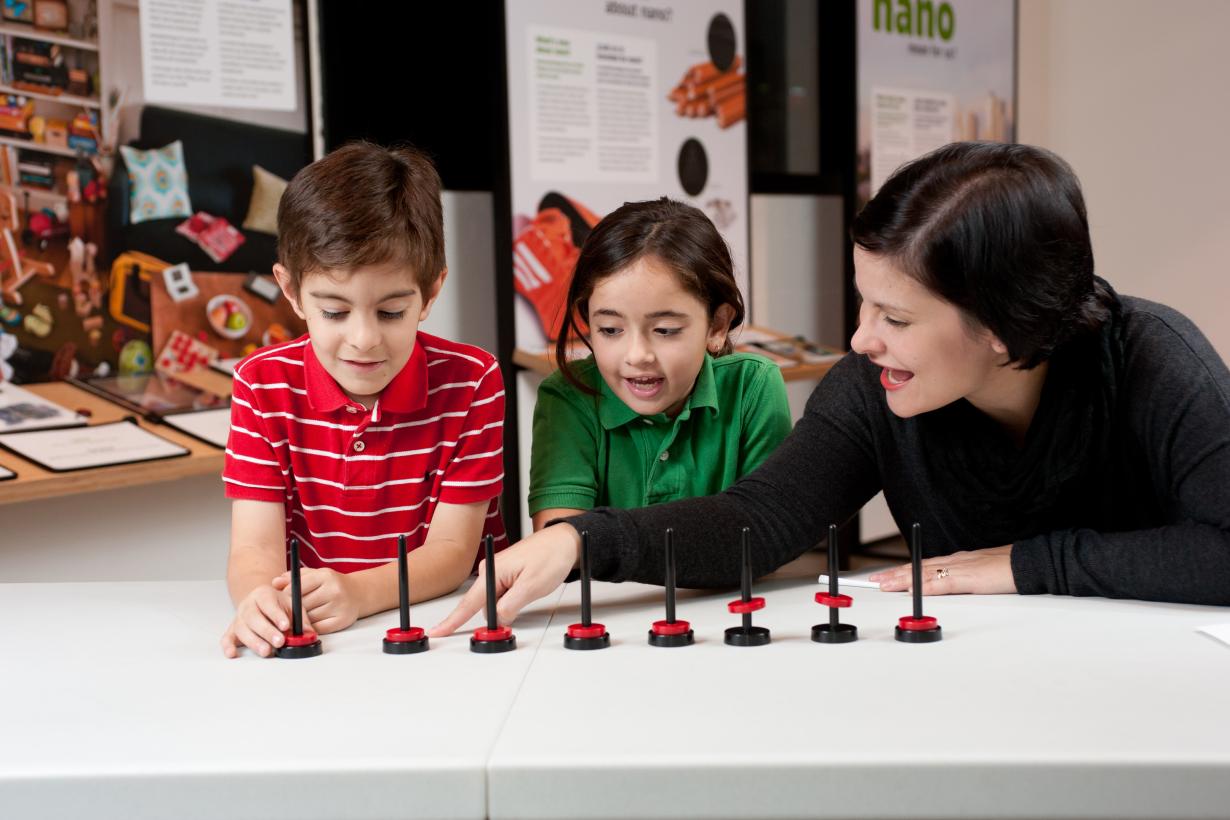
[[719, 329], [435, 294], [288, 290]]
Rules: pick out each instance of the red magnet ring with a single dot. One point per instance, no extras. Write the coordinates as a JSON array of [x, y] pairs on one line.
[[911, 624], [668, 628], [740, 606], [500, 633], [395, 635], [833, 601]]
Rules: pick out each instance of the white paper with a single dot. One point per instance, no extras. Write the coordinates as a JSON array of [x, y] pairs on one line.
[[226, 366], [22, 410], [211, 425], [1219, 631], [905, 124], [77, 448], [6, 473], [856, 579], [219, 52]]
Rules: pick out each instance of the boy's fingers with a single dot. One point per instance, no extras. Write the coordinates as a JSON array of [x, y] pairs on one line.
[[272, 609], [470, 603], [228, 643], [251, 640]]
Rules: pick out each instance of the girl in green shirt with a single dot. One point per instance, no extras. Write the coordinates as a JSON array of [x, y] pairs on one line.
[[663, 409]]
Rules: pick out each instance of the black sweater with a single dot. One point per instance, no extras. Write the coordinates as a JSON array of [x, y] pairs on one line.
[[1120, 489]]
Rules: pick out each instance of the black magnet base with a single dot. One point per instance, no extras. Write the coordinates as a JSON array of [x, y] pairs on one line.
[[825, 633], [601, 642], [307, 650], [919, 635], [682, 639], [747, 636], [493, 647], [405, 647]]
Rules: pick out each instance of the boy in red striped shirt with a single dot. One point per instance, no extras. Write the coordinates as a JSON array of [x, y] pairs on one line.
[[365, 428]]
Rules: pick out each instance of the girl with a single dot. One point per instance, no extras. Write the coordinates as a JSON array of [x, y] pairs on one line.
[[662, 410]]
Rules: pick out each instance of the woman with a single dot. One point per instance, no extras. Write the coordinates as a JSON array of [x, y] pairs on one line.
[[1049, 435]]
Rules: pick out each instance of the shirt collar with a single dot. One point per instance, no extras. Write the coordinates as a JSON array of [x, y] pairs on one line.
[[612, 412], [406, 393]]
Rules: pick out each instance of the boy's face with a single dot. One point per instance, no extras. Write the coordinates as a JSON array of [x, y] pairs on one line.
[[362, 322]]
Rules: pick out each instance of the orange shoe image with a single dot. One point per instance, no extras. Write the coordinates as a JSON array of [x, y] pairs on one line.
[[544, 255]]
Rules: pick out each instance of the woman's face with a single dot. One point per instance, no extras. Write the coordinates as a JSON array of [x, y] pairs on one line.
[[929, 355]]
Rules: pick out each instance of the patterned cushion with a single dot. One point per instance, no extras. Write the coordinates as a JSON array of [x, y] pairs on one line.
[[267, 191], [159, 182]]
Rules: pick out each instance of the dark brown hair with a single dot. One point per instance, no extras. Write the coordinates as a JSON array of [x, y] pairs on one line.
[[1000, 232], [678, 235], [363, 205]]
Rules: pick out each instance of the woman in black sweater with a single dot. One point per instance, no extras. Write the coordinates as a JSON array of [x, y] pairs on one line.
[[1048, 434]]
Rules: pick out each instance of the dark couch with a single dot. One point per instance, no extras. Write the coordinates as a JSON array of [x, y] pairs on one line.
[[219, 155]]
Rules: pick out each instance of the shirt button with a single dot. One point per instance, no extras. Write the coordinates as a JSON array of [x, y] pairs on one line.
[[666, 454], [358, 446], [351, 409]]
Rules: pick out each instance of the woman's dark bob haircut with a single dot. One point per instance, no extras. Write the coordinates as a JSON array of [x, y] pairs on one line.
[[678, 236], [999, 231]]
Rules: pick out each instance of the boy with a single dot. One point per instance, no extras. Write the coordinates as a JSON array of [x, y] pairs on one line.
[[365, 428]]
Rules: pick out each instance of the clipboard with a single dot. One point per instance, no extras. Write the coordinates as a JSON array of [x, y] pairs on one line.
[[153, 396], [6, 474], [68, 449], [209, 426]]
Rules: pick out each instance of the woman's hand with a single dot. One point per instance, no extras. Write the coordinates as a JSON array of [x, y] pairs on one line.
[[523, 573], [983, 572]]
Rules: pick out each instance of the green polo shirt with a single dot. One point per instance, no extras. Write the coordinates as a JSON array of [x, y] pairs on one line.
[[595, 451]]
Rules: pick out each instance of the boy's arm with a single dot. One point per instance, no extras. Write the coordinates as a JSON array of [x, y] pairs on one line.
[[257, 556]]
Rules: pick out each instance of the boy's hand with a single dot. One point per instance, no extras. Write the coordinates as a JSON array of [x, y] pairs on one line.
[[523, 573], [260, 619], [330, 598]]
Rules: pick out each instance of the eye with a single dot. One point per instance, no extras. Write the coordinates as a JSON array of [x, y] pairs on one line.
[[609, 331], [895, 322], [333, 315], [391, 316], [668, 331]]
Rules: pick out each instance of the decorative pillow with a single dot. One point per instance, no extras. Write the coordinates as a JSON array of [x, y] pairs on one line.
[[159, 182], [267, 191]]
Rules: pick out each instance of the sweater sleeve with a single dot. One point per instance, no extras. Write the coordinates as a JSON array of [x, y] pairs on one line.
[[1177, 405], [822, 473], [767, 418]]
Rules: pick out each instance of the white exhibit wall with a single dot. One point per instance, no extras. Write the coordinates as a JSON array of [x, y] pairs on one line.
[[1133, 94]]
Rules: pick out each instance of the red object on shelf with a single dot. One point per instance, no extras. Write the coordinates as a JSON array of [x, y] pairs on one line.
[[668, 628], [836, 601], [911, 624], [740, 606]]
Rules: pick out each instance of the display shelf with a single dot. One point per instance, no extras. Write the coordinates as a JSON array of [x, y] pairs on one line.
[[17, 142], [31, 33], [67, 99], [33, 482]]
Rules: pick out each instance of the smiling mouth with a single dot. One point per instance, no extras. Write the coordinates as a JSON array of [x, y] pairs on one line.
[[645, 387], [362, 365], [892, 379]]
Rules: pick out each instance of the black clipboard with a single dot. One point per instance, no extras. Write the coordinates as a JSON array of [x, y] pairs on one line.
[[179, 451], [151, 395]]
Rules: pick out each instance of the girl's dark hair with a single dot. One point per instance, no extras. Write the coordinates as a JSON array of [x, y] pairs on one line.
[[999, 231], [678, 235]]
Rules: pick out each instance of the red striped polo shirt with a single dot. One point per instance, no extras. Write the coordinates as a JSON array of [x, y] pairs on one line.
[[353, 479]]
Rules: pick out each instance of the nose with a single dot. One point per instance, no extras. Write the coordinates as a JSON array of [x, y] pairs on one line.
[[640, 351], [865, 340], [364, 334]]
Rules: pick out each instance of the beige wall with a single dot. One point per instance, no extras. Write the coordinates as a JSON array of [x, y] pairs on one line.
[[1134, 94]]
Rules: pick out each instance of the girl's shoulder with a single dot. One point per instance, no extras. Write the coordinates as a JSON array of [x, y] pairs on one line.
[[743, 367], [585, 370]]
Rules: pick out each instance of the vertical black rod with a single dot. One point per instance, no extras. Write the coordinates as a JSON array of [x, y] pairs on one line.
[[747, 565], [296, 593], [916, 561], [489, 549], [403, 582], [670, 575], [585, 613], [833, 562]]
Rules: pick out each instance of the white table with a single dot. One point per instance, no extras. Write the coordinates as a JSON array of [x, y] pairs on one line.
[[116, 702], [1029, 707]]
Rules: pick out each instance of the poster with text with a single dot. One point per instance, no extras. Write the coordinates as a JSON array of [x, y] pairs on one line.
[[613, 102], [931, 73], [215, 52]]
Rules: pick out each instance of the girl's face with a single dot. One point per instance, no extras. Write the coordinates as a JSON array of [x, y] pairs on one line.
[[928, 354], [650, 336]]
